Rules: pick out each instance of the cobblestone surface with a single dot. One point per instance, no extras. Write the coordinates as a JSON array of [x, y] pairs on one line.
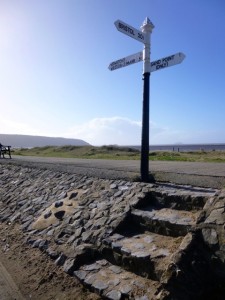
[[120, 238]]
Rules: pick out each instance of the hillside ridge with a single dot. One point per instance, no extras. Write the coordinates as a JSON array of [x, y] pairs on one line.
[[28, 141]]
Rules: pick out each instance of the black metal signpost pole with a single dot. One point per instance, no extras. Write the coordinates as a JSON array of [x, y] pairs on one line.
[[147, 30], [145, 130]]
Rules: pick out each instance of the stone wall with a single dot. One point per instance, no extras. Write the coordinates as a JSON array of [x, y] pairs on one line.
[[121, 239]]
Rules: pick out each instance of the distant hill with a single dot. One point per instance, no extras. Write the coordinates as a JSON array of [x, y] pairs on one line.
[[28, 141]]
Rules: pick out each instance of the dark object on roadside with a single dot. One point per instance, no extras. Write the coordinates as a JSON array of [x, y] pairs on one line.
[[5, 150]]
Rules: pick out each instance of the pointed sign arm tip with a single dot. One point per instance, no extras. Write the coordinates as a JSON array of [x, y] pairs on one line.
[[182, 55]]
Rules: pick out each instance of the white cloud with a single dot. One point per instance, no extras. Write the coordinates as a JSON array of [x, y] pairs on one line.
[[106, 131], [121, 131]]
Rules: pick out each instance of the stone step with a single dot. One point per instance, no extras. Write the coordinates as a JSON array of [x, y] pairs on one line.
[[181, 201], [177, 197], [147, 254], [112, 282], [165, 221]]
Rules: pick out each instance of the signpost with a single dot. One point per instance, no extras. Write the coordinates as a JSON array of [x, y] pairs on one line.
[[144, 36], [126, 61]]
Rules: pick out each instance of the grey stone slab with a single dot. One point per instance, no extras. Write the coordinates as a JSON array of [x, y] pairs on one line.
[[114, 282], [126, 289], [89, 279], [114, 295], [141, 254], [217, 216], [115, 269], [210, 236], [100, 285], [92, 267], [80, 274]]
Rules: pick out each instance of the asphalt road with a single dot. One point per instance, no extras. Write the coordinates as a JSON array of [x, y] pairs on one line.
[[194, 173]]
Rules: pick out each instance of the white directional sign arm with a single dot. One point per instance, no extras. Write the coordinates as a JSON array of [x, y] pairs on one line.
[[130, 31], [167, 61], [126, 61]]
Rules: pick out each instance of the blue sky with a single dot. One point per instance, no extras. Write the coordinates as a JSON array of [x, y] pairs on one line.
[[54, 77]]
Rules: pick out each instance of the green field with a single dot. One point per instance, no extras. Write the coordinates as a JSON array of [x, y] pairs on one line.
[[116, 152], [104, 152]]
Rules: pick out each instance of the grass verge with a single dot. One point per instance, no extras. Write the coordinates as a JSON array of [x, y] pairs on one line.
[[120, 153]]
